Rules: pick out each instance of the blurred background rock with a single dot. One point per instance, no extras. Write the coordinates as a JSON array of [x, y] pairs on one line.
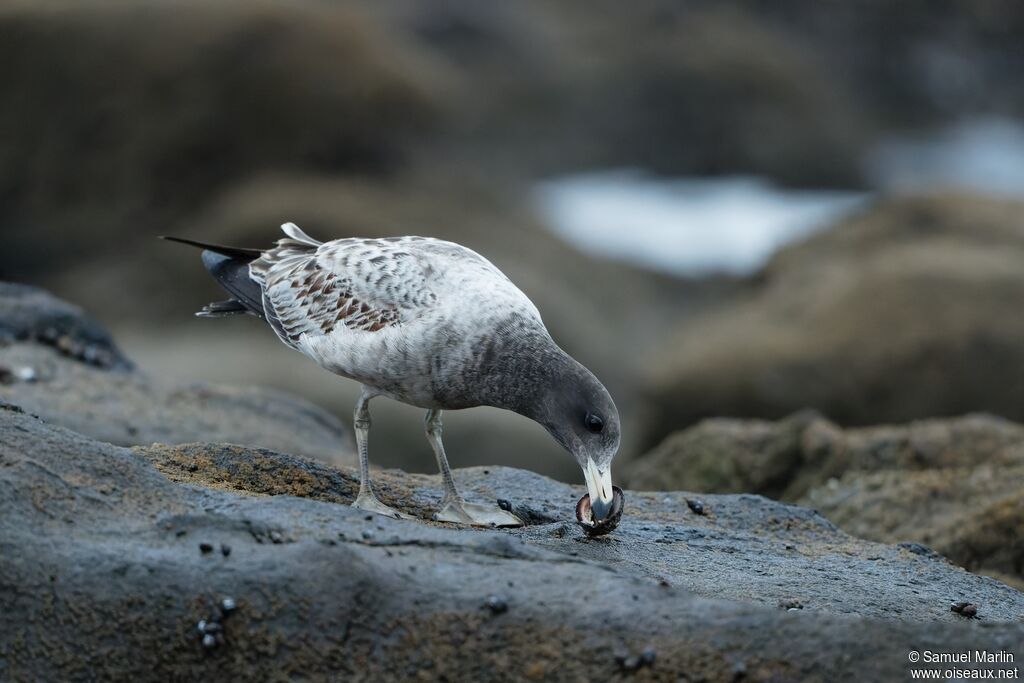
[[637, 168]]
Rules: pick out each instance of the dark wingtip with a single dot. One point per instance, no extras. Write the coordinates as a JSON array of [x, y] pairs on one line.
[[181, 240], [232, 252]]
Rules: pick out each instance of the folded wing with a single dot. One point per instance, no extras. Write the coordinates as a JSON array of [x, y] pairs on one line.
[[349, 285]]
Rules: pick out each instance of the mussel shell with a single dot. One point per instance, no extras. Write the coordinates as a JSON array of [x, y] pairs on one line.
[[606, 525]]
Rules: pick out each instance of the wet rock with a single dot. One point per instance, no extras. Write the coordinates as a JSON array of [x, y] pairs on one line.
[[702, 602], [42, 372], [33, 315], [940, 488]]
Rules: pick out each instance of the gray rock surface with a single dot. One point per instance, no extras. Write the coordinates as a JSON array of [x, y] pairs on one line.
[[114, 561], [951, 484], [58, 363]]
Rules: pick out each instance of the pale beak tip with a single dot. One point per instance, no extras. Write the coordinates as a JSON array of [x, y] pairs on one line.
[[600, 509], [599, 486]]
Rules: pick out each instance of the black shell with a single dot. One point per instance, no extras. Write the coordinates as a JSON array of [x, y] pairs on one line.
[[605, 526]]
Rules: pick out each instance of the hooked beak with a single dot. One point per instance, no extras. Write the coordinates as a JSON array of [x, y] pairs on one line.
[[599, 486]]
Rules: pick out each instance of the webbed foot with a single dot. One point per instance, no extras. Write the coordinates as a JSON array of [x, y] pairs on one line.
[[461, 512], [369, 502]]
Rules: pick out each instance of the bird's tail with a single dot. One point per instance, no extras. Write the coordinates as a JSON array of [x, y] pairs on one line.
[[229, 266], [220, 309], [233, 252]]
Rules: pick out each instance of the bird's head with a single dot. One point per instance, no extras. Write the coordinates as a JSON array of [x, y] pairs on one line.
[[579, 413]]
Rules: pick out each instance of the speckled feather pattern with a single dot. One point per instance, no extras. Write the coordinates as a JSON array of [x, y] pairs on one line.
[[424, 321]]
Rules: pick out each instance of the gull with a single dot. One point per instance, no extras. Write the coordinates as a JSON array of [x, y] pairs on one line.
[[428, 323]]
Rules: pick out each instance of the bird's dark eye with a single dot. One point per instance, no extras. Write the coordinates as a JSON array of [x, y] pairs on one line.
[[593, 423]]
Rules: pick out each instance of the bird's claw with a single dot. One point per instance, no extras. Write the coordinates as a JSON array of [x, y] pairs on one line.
[[370, 503], [461, 512]]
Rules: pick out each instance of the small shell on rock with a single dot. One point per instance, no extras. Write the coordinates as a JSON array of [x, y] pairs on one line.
[[696, 506], [212, 627], [585, 518], [496, 604], [965, 609]]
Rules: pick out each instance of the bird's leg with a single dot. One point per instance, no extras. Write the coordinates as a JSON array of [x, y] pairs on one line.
[[367, 499], [453, 507]]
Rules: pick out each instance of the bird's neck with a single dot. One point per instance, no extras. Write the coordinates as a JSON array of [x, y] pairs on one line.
[[518, 370]]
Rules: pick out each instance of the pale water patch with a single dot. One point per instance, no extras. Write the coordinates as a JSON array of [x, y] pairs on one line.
[[700, 226], [693, 226]]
